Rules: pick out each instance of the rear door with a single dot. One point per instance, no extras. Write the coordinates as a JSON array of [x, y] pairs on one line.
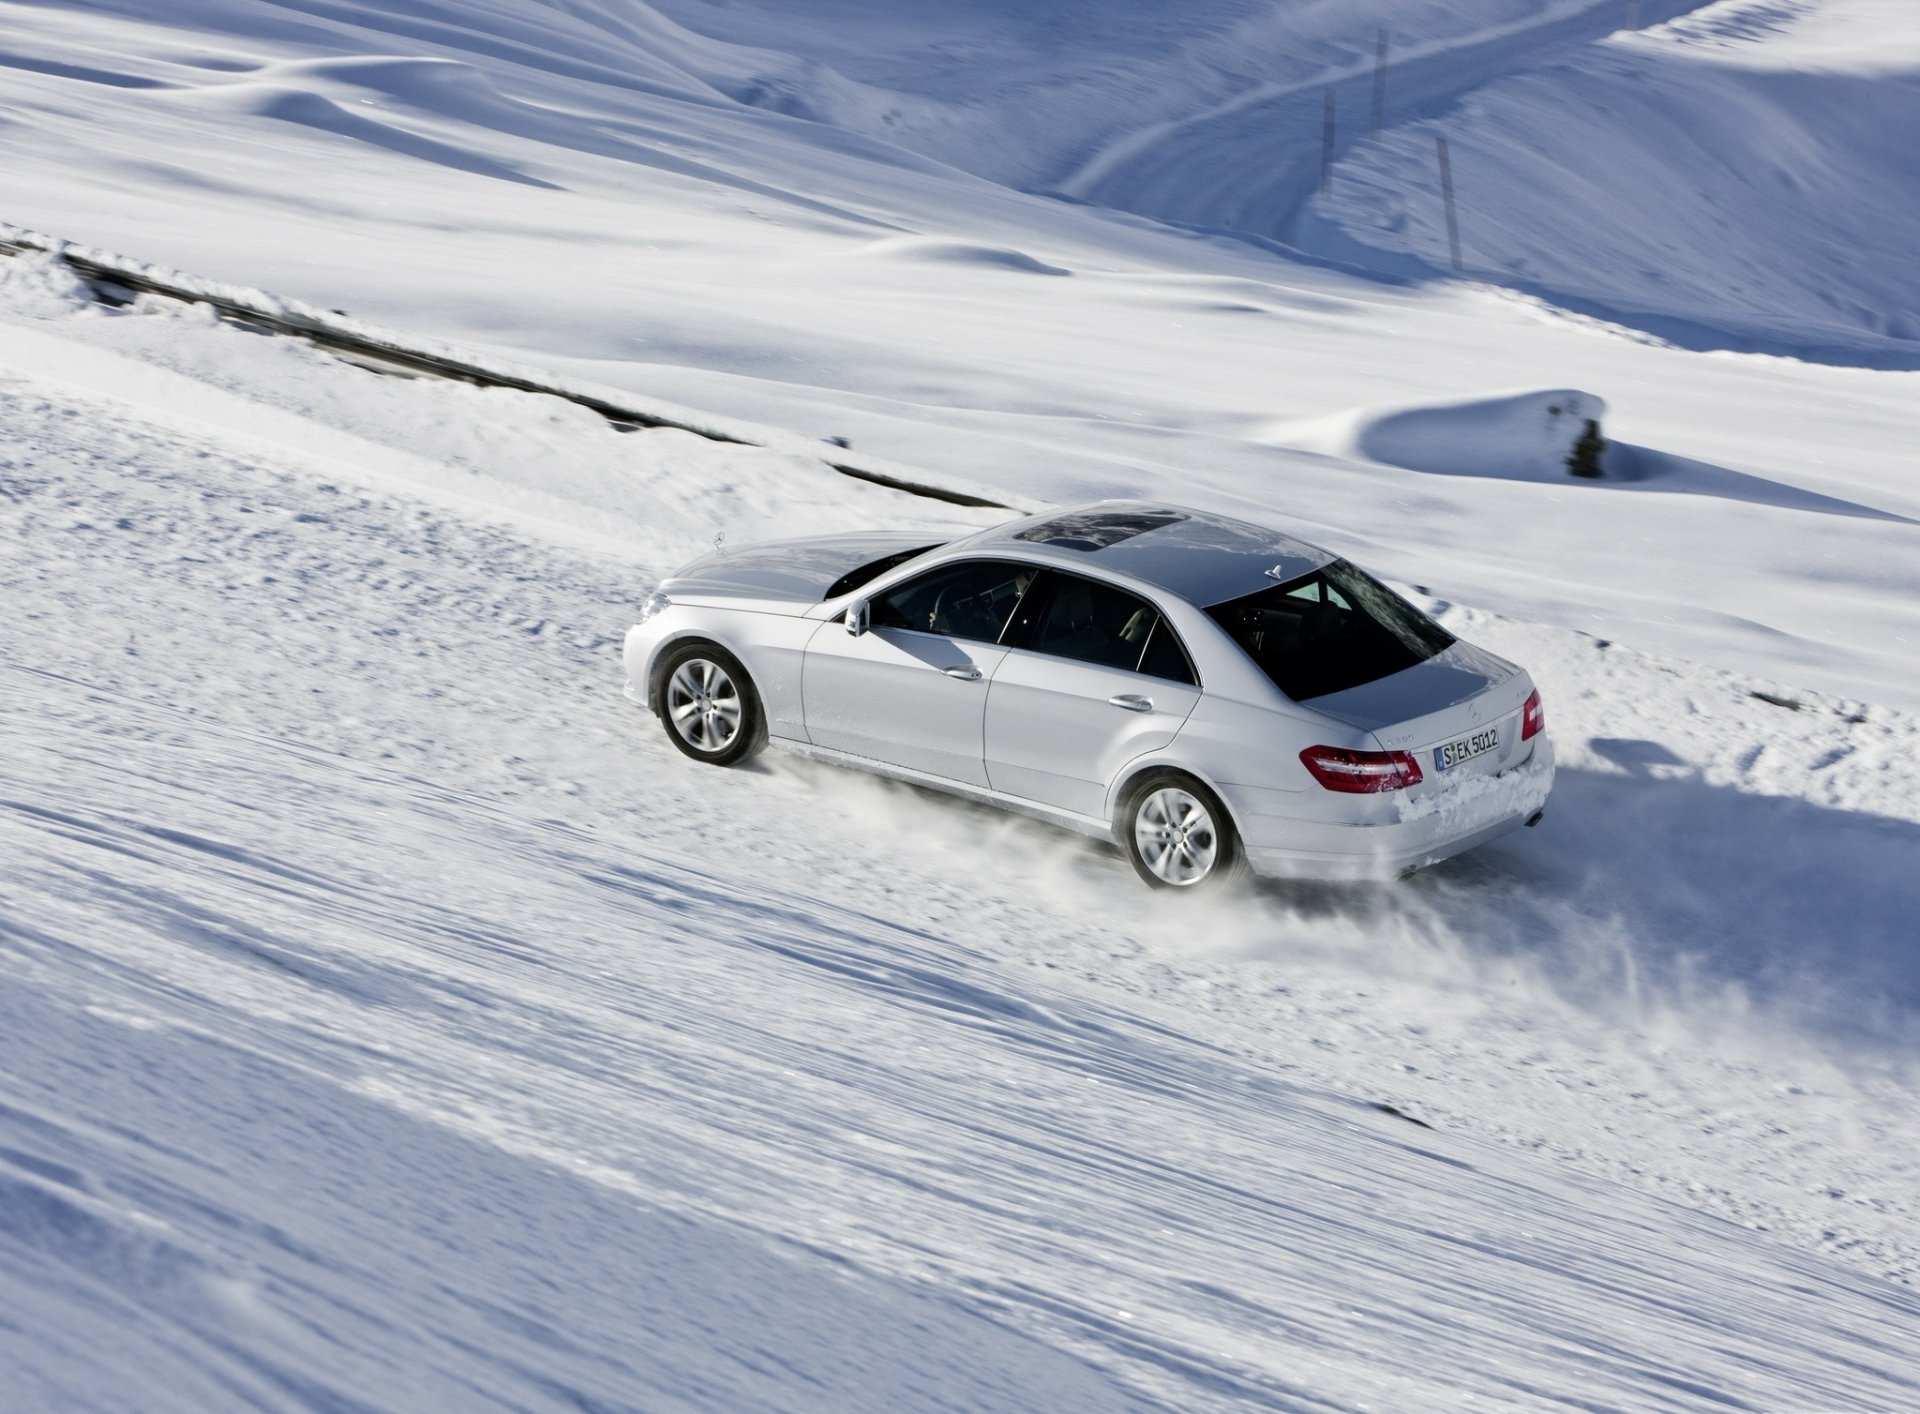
[[1093, 678], [912, 690]]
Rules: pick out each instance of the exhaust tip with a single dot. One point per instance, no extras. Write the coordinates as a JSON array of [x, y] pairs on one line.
[[1536, 818]]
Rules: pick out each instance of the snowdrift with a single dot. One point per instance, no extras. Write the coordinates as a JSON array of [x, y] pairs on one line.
[[1529, 436], [931, 250], [1548, 437]]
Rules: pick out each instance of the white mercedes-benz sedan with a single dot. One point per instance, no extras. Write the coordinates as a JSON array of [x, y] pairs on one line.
[[1207, 693]]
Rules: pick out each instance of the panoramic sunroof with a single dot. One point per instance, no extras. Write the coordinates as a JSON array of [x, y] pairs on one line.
[[1095, 530]]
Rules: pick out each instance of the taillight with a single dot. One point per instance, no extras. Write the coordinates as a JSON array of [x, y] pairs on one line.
[[1361, 772], [1533, 718]]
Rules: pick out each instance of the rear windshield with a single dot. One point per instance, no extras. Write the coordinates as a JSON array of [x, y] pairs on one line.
[[867, 573], [1330, 630]]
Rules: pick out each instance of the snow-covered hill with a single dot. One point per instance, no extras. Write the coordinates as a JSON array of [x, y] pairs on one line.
[[1742, 178], [392, 1020]]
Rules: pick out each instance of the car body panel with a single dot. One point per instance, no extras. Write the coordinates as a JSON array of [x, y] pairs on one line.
[[891, 695], [790, 575], [1233, 742], [1053, 734], [1089, 825], [1453, 678], [1388, 834], [1498, 705], [770, 644]]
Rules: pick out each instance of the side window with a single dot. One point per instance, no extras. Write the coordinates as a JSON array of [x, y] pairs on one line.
[[972, 599], [1165, 658], [1097, 623]]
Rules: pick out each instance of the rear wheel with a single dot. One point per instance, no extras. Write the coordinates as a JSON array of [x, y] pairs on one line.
[[708, 706], [1178, 835]]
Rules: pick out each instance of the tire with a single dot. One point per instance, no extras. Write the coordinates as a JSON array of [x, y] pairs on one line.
[[708, 705], [1178, 835]]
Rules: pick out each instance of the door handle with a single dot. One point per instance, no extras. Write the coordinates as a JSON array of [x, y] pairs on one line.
[[966, 672], [1132, 701]]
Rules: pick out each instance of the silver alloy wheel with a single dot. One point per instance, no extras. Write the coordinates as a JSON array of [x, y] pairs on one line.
[[1176, 837], [703, 705]]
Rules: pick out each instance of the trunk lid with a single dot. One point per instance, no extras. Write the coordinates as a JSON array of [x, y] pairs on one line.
[[1455, 696]]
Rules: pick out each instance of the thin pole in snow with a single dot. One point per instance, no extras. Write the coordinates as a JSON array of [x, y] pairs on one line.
[[1380, 83], [1446, 197], [1327, 133]]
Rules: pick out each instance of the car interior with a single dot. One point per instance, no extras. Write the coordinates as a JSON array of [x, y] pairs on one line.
[[1094, 624], [972, 600]]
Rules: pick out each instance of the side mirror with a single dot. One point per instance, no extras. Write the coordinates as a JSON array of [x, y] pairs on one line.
[[857, 617]]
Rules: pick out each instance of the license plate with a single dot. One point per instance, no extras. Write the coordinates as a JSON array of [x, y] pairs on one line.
[[1466, 748]]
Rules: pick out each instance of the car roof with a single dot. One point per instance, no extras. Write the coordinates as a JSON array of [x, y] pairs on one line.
[[1202, 557]]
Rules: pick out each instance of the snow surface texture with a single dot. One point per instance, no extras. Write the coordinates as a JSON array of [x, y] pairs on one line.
[[394, 1017]]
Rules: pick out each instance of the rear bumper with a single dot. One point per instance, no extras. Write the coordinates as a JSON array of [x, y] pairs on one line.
[[1423, 832]]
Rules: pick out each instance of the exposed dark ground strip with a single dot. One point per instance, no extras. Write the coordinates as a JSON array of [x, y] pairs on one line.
[[116, 283]]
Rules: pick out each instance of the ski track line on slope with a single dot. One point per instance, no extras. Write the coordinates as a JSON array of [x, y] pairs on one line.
[[1124, 149], [1471, 63]]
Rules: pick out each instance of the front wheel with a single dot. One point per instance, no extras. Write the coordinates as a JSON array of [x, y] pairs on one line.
[[708, 705], [1178, 834]]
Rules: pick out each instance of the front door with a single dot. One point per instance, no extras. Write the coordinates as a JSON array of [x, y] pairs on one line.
[[912, 690]]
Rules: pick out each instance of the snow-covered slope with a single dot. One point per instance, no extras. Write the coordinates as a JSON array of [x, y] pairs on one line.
[[1036, 96], [1745, 177], [393, 1017]]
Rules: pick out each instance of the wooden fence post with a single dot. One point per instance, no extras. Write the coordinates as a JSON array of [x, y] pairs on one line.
[[1327, 131], [1380, 83], [1446, 197]]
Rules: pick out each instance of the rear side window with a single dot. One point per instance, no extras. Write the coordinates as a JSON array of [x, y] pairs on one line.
[[972, 600], [1330, 630], [1165, 658], [1097, 623]]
